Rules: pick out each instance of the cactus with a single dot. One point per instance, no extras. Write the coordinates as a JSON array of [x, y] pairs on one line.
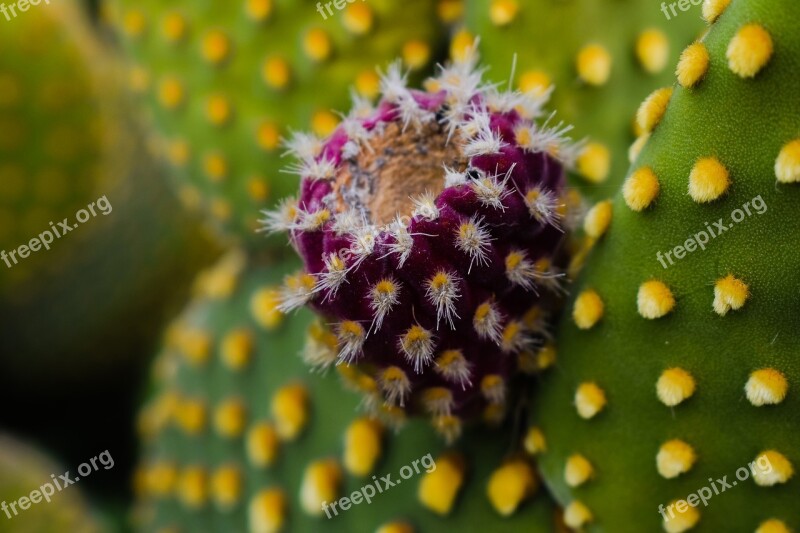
[[679, 352], [238, 435], [439, 284], [62, 148], [601, 57], [228, 79], [25, 469]]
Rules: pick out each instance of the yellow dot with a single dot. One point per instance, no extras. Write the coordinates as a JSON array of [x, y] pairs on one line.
[[362, 446], [161, 479], [218, 110], [320, 484], [637, 146], [395, 527], [358, 18], [450, 11], [317, 45], [264, 308], [416, 54], [237, 348], [577, 515], [276, 73], [653, 108], [588, 309], [230, 418], [134, 23], [191, 416], [597, 219], [323, 123], [503, 12], [215, 167], [171, 93], [510, 485], [692, 65], [438, 489], [652, 50], [290, 411], [641, 189], [749, 51], [708, 180], [590, 399], [674, 386], [258, 10], [674, 458], [174, 27], [654, 299], [787, 165], [460, 45], [263, 444], [368, 84], [268, 136], [594, 162], [712, 9], [683, 518], [195, 346], [766, 387], [535, 443], [193, 487], [178, 152], [535, 82], [216, 47], [226, 486], [258, 189], [594, 64], [267, 511], [578, 470], [729, 293], [773, 526], [777, 469]]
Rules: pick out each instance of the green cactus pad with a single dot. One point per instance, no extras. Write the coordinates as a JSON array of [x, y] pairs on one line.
[[239, 436], [99, 287], [24, 470], [602, 58], [228, 79], [679, 369]]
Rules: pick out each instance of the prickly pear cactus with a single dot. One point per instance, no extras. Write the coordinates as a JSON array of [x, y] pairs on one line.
[[91, 241], [228, 79], [602, 58], [430, 230], [240, 436], [25, 470], [675, 404]]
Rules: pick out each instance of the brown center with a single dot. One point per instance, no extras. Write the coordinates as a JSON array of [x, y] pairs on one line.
[[397, 165]]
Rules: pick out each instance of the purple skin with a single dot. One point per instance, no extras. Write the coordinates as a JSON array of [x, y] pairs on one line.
[[434, 249]]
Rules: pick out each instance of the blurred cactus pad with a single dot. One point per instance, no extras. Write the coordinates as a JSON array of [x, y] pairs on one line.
[[601, 57], [675, 401], [69, 140], [24, 469], [238, 435], [226, 80]]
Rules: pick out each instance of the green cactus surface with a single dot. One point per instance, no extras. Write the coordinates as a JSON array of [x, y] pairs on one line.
[[24, 469], [227, 80], [679, 364], [238, 435], [602, 57]]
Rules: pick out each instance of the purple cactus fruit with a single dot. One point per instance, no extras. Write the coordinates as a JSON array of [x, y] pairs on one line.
[[430, 228]]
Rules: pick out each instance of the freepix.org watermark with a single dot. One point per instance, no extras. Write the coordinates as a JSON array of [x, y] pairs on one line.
[[57, 484], [338, 4], [683, 5], [379, 486], [758, 468], [22, 5], [46, 238], [712, 231]]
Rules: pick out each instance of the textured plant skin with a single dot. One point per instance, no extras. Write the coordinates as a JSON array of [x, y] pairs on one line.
[[730, 309], [25, 469], [430, 229], [67, 138], [563, 43], [233, 347], [225, 80]]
